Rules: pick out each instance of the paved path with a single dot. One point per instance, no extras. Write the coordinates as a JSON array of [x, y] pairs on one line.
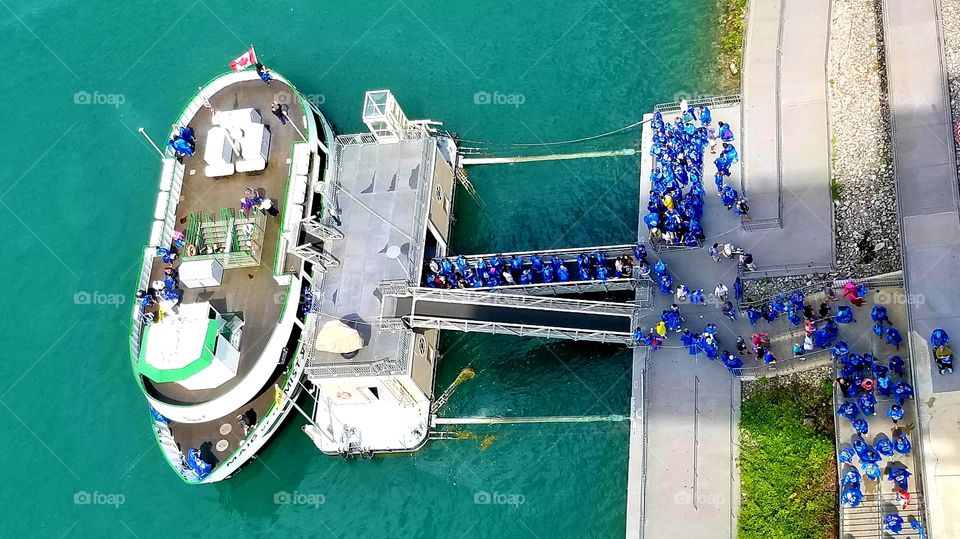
[[785, 116], [927, 194]]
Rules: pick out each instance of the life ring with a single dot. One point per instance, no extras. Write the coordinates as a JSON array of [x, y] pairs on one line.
[[191, 250], [344, 395]]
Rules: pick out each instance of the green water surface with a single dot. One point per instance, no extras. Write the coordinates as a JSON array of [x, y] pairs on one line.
[[77, 193]]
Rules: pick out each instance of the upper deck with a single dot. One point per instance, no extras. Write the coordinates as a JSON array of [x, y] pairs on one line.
[[251, 292], [380, 201]]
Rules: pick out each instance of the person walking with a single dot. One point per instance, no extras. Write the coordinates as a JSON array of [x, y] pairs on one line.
[[741, 208], [742, 347], [277, 110], [720, 292], [715, 252]]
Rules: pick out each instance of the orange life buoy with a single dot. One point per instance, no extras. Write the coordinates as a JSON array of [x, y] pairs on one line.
[[191, 250]]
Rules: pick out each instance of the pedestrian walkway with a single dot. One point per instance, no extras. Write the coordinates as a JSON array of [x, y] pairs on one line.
[[927, 195], [786, 136]]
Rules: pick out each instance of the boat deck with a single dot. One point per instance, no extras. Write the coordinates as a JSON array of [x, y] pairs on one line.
[[205, 436], [253, 292]]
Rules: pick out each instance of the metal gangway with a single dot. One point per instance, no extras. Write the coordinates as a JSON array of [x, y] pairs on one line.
[[569, 256], [519, 315]]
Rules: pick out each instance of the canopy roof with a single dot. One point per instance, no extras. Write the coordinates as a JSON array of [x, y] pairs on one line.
[[180, 345]]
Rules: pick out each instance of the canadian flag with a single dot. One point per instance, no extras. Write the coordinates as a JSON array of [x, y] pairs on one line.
[[245, 60]]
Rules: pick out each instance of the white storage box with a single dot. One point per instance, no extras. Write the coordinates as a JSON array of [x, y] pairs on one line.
[[201, 273]]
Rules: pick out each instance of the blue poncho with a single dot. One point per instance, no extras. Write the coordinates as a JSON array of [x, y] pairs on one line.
[[939, 337], [851, 477], [878, 313], [893, 523], [860, 426], [902, 444], [871, 470], [846, 455], [844, 314], [885, 446], [893, 337], [753, 315], [851, 496], [900, 477]]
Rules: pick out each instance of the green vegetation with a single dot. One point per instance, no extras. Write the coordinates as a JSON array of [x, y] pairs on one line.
[[788, 470], [730, 42], [836, 190]]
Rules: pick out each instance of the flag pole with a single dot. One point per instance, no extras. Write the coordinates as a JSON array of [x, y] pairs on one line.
[[150, 140]]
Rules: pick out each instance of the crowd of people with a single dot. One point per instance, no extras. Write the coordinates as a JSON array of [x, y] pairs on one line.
[[458, 272], [675, 206]]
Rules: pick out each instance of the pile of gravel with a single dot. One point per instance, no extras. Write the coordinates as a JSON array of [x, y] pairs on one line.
[[867, 230], [951, 41]]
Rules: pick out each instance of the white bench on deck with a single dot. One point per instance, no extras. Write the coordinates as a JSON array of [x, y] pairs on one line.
[[218, 154]]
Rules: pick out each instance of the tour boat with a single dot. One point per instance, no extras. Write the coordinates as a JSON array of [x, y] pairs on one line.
[[222, 293]]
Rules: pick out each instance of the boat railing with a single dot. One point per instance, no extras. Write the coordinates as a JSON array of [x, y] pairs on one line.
[[714, 102]]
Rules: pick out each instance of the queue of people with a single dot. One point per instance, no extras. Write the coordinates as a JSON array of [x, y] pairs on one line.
[[458, 272]]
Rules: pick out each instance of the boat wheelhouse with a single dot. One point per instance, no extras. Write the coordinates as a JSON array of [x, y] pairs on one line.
[[216, 329]]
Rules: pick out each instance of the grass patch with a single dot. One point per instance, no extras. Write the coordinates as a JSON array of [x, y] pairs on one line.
[[730, 42], [787, 464], [836, 190]]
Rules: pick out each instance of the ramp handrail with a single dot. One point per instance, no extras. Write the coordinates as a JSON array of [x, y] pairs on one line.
[[462, 296]]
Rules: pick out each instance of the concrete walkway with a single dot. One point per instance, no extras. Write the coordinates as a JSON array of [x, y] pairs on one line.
[[930, 222], [785, 121]]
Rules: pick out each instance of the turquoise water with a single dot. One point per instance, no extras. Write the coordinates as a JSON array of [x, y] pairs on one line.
[[78, 188]]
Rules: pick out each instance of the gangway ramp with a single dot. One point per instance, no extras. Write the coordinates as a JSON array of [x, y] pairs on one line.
[[525, 316], [569, 256]]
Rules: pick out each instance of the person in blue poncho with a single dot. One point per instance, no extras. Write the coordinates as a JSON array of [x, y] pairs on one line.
[[884, 446], [640, 252], [900, 477], [659, 267], [536, 263], [884, 385], [728, 196], [666, 284], [893, 523], [879, 314], [902, 392], [896, 365], [895, 413], [844, 314], [851, 477], [725, 133], [939, 337], [753, 315], [602, 273], [730, 153], [860, 426], [563, 274], [769, 358], [549, 276], [463, 266], [672, 320], [868, 403], [849, 410], [705, 116], [729, 311], [526, 276], [638, 335], [902, 444], [737, 288], [871, 470], [652, 220], [851, 496], [584, 273], [915, 524], [696, 297], [793, 314], [893, 337], [846, 455], [723, 166]]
